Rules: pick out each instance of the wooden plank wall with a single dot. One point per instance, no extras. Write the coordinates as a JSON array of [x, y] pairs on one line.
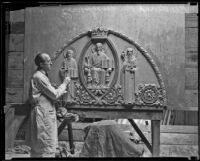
[[14, 75], [190, 115], [15, 55]]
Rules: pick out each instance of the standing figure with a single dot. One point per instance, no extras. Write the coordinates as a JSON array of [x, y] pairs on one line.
[[69, 68], [42, 133], [98, 72], [128, 76]]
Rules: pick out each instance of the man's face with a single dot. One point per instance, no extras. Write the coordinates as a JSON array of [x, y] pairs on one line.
[[99, 47], [129, 52], [46, 65], [69, 54]]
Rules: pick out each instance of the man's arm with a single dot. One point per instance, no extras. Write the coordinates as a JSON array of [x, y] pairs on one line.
[[46, 87]]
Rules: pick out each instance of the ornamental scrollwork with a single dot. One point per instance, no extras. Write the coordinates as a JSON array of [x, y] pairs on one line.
[[114, 97], [82, 96], [149, 94]]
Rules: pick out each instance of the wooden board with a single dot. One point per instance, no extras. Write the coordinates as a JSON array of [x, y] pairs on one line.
[[177, 139], [146, 128], [191, 20], [17, 28], [16, 42], [15, 78], [151, 115], [15, 60], [191, 98], [9, 127], [191, 37], [14, 95], [191, 78], [191, 57], [17, 16]]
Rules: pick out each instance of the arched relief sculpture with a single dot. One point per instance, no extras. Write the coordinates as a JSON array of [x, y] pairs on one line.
[[106, 76]]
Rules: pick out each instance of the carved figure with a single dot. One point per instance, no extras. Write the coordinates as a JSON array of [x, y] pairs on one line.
[[69, 65], [69, 68], [98, 67], [128, 75]]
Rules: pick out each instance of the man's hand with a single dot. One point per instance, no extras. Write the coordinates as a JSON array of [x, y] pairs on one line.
[[67, 80]]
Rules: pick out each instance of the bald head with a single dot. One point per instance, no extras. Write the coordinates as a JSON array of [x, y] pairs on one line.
[[43, 61], [40, 58]]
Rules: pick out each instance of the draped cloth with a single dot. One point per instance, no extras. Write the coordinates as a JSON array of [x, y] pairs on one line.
[[106, 139]]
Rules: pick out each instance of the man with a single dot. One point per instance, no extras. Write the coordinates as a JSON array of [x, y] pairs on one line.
[[42, 127], [96, 61]]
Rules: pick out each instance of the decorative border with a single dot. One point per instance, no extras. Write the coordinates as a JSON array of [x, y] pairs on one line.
[[140, 48]]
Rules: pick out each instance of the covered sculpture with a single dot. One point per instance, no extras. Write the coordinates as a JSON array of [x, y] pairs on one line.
[[106, 139]]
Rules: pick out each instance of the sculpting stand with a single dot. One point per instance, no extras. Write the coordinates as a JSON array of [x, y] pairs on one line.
[[153, 114]]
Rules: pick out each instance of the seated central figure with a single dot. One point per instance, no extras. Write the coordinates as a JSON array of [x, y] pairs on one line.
[[97, 61]]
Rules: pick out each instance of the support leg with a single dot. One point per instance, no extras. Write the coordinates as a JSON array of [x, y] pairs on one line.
[[155, 136], [70, 134]]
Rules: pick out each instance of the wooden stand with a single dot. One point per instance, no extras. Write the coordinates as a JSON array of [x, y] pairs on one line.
[[154, 114]]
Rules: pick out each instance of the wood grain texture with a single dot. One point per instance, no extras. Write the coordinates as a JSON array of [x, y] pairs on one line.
[[15, 60], [17, 16], [191, 37], [191, 20], [151, 115], [191, 98], [177, 139], [15, 78], [146, 128], [16, 42], [191, 78], [191, 57], [9, 128], [14, 95], [17, 28]]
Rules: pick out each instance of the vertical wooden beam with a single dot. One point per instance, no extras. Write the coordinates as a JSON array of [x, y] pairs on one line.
[[67, 122], [70, 134], [155, 135], [9, 128]]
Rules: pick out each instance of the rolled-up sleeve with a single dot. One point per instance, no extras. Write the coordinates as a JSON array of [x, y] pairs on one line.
[[46, 88]]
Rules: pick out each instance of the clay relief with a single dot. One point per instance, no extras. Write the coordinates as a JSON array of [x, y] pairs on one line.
[[69, 68], [101, 78]]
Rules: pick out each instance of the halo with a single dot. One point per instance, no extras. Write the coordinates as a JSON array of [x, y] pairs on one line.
[[70, 48], [135, 51]]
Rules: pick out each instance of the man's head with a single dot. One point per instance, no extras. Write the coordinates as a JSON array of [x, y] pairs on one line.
[[129, 52], [43, 61], [99, 46], [69, 54]]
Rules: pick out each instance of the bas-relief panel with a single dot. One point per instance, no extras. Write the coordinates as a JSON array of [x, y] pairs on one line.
[[160, 35], [104, 75]]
